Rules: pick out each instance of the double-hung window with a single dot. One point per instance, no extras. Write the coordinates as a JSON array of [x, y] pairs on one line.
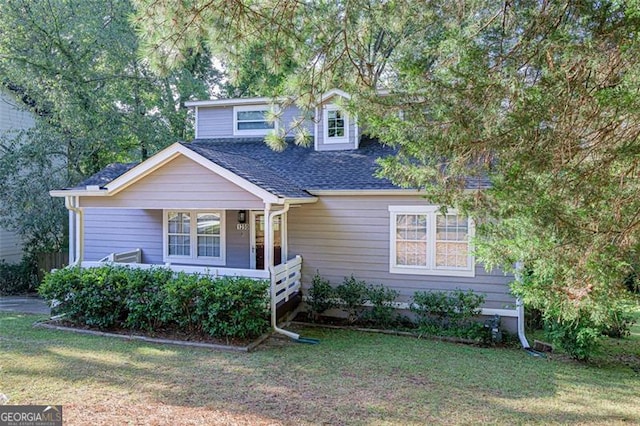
[[336, 125], [425, 241], [252, 120], [194, 237]]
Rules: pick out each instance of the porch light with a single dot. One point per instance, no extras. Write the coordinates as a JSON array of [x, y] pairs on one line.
[[242, 216]]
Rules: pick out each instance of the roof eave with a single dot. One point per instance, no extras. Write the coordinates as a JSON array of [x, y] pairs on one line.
[[78, 193], [391, 192], [331, 93], [232, 102], [355, 192], [298, 200]]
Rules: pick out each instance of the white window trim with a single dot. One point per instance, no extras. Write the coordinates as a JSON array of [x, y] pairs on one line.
[[251, 132], [430, 269], [325, 124], [194, 259]]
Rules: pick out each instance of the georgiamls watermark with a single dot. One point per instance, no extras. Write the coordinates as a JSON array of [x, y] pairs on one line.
[[30, 415]]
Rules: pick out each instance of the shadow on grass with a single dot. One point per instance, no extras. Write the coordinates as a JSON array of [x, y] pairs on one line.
[[350, 378]]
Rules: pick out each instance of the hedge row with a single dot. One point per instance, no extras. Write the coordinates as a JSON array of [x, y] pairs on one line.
[[112, 297], [18, 278], [436, 313]]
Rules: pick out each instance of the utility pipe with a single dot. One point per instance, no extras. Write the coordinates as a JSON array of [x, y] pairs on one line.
[[520, 310], [78, 231], [269, 249], [521, 336]]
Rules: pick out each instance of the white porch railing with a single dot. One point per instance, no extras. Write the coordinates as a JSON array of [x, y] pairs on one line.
[[131, 256], [287, 278]]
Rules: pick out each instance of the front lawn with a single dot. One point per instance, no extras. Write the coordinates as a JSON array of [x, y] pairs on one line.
[[349, 378]]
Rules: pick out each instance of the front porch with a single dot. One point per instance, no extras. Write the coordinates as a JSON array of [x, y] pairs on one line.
[[214, 237], [285, 277], [245, 243], [189, 211]]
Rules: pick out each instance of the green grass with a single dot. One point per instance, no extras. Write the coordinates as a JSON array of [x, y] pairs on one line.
[[349, 378]]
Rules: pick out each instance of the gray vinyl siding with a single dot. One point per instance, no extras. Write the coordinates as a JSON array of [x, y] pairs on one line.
[[115, 230], [291, 114], [238, 255], [341, 236], [10, 246], [13, 118], [321, 144], [217, 122], [181, 183]]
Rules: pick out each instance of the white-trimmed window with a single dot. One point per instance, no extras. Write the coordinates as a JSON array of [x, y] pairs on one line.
[[194, 237], [425, 241], [336, 125], [252, 120]]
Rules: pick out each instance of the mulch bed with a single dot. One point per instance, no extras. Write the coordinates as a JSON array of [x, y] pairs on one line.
[[303, 319], [162, 336]]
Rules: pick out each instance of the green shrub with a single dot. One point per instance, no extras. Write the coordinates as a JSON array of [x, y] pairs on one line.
[[632, 279], [322, 296], [94, 297], [580, 338], [382, 313], [466, 305], [353, 296], [431, 309], [182, 292], [146, 300], [62, 287], [116, 296], [618, 318], [233, 307], [452, 314], [18, 278], [101, 297]]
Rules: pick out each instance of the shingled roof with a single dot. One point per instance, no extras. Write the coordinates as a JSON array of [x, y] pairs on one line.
[[106, 175], [304, 167], [292, 173], [296, 172]]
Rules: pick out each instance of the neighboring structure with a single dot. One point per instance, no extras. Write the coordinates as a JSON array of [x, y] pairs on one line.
[[227, 204], [13, 118]]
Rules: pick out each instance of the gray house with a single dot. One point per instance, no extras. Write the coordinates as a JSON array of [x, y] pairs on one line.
[[14, 118], [226, 204]]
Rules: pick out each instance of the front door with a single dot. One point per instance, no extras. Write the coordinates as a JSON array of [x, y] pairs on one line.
[[258, 240]]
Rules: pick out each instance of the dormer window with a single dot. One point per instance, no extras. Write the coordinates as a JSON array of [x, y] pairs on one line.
[[252, 120], [336, 125]]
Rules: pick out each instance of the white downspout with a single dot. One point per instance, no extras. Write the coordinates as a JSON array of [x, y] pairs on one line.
[[521, 336], [78, 232], [272, 275], [520, 310]]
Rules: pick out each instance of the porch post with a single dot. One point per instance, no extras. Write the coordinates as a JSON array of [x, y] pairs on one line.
[[268, 237], [72, 236], [284, 239], [73, 205]]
